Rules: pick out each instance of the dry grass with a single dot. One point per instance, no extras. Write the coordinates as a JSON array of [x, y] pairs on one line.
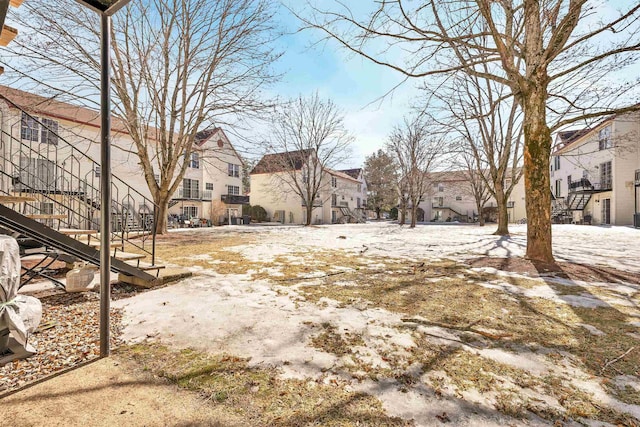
[[435, 293], [256, 396]]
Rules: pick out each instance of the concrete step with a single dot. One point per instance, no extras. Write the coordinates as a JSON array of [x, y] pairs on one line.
[[127, 256]]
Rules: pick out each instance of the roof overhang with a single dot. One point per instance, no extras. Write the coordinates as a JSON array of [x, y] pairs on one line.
[[104, 7]]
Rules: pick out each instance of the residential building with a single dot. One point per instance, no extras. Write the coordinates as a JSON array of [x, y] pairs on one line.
[[212, 184], [52, 147], [595, 172], [341, 196], [449, 197]]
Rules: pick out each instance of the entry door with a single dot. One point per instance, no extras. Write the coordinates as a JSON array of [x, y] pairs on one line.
[[606, 211]]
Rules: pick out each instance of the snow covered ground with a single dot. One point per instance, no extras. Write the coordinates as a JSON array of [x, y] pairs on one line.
[[270, 323]]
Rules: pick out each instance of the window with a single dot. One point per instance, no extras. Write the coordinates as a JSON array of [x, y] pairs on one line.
[[558, 187], [157, 177], [569, 184], [208, 186], [334, 200], [233, 190], [556, 162], [37, 174], [190, 188], [96, 171], [438, 201], [234, 170], [334, 182], [604, 138], [46, 208], [30, 128], [359, 188], [49, 134], [189, 211], [605, 175], [458, 198], [195, 161], [440, 187], [358, 201]]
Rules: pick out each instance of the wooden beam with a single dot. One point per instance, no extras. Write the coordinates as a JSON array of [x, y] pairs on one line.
[[15, 3], [8, 34]]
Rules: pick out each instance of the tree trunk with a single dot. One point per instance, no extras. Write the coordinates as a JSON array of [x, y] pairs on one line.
[[414, 211], [162, 213], [403, 213], [503, 216], [480, 214], [537, 149], [378, 213], [309, 208]]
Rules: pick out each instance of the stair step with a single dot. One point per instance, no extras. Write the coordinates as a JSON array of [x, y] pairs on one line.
[[146, 266], [72, 232], [47, 216], [128, 256], [112, 245], [16, 199]]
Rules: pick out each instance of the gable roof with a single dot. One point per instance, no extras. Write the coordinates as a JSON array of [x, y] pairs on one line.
[[353, 173], [40, 105], [203, 136], [343, 175], [281, 162]]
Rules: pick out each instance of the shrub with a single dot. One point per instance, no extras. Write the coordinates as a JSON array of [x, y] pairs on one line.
[[393, 213], [258, 213]]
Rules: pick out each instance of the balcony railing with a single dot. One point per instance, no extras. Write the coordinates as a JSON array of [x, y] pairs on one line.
[[189, 193], [234, 199], [316, 203], [437, 205], [586, 184]]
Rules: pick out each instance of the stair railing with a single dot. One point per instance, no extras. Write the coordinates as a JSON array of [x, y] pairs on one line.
[[32, 168]]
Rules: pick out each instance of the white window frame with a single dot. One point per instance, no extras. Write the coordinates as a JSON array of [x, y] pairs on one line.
[[233, 170], [604, 138]]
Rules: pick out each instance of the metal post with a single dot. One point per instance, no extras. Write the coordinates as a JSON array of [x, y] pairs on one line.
[[105, 183]]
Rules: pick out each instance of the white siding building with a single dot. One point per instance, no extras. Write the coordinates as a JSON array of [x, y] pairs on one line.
[[595, 172]]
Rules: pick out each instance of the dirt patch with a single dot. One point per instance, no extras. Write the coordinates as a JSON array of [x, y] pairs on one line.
[[257, 396], [567, 270]]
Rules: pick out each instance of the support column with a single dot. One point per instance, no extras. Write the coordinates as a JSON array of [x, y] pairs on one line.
[[105, 183]]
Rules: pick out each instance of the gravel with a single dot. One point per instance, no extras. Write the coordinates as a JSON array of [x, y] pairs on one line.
[[68, 335]]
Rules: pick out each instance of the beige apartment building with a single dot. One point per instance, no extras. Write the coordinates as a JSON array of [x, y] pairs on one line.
[[52, 147], [342, 195], [595, 173]]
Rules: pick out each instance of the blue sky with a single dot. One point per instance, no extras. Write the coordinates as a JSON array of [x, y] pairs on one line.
[[354, 84]]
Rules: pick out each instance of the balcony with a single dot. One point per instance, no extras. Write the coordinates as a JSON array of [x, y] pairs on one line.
[[437, 205], [189, 193], [234, 199], [585, 185], [317, 203]]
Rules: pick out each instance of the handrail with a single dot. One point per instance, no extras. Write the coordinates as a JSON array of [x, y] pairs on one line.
[[57, 182]]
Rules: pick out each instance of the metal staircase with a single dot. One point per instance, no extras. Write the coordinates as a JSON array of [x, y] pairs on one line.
[[578, 201], [61, 184]]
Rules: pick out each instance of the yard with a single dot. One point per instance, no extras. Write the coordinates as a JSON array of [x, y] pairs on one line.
[[377, 324]]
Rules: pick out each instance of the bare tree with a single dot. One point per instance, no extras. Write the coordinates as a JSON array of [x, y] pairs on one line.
[[547, 52], [474, 171], [178, 66], [489, 121], [380, 174], [307, 140], [415, 151]]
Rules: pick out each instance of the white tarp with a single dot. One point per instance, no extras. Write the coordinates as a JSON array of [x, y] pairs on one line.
[[21, 314]]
